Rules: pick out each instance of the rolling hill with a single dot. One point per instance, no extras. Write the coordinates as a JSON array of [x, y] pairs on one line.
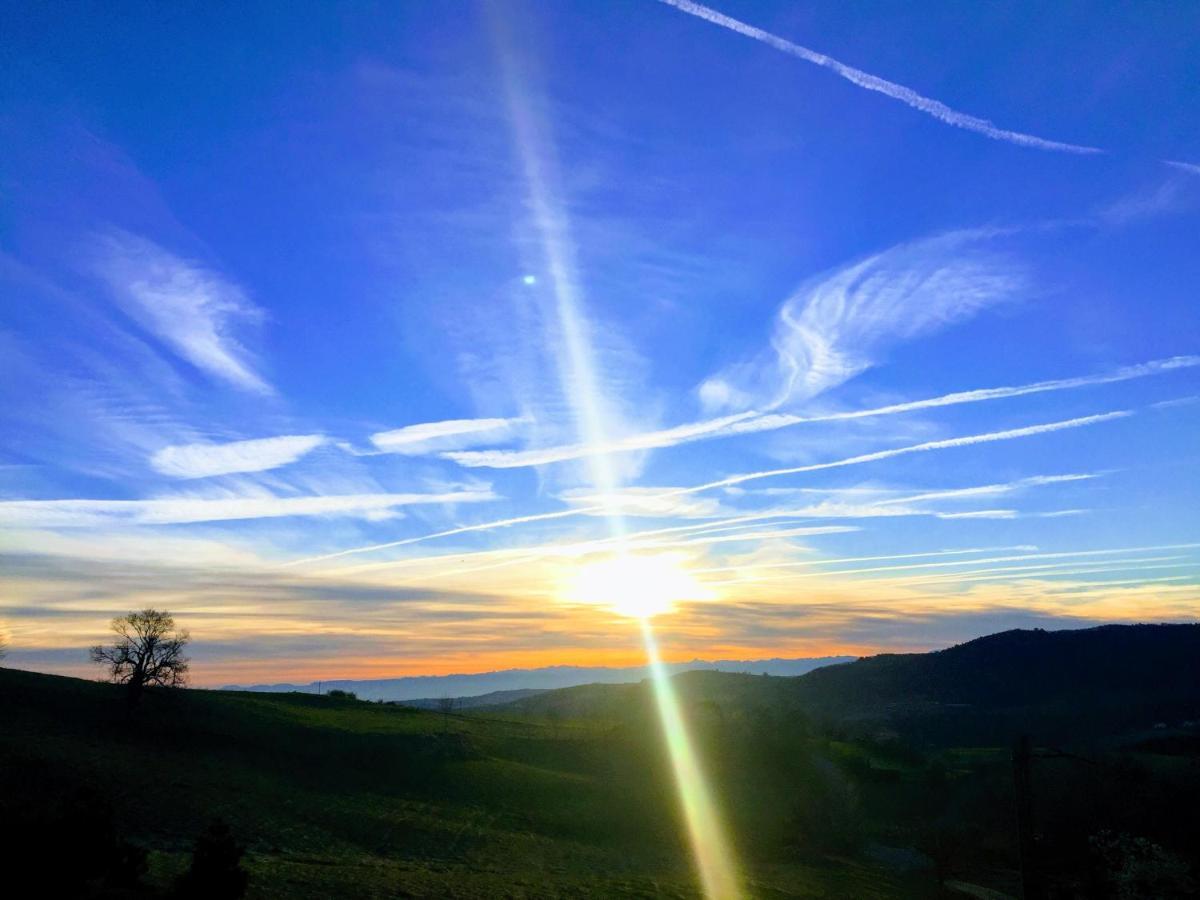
[[462, 686], [344, 798], [887, 777], [1060, 685]]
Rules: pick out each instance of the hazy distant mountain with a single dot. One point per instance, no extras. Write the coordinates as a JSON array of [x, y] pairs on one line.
[[495, 698], [418, 687]]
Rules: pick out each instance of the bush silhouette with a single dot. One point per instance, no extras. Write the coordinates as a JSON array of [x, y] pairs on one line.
[[216, 872]]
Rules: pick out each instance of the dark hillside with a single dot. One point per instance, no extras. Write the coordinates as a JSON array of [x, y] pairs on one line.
[[1061, 684], [868, 779], [341, 798]]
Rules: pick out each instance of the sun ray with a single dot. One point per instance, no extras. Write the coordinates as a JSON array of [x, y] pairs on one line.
[[648, 580]]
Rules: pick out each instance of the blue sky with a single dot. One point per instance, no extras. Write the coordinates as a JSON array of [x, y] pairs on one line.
[[278, 287]]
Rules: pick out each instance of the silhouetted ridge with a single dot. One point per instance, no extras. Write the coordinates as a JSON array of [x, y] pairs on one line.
[[1061, 685], [1108, 677], [1022, 666]]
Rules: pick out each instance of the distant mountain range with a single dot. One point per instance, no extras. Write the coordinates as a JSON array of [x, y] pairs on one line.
[[429, 688]]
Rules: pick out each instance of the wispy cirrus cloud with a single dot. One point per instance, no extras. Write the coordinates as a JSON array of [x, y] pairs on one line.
[[1028, 554], [752, 422], [258, 455], [719, 524], [989, 490], [428, 437], [927, 446], [841, 324], [1010, 514], [735, 480], [644, 501], [650, 440], [906, 95], [76, 513], [192, 309]]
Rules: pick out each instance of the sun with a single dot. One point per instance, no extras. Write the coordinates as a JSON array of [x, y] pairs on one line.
[[637, 585]]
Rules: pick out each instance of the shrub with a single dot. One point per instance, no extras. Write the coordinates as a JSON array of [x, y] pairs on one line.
[[216, 872]]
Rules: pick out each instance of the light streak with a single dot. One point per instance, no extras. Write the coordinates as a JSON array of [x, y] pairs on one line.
[[709, 845], [577, 372]]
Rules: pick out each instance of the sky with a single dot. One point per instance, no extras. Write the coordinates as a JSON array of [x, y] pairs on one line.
[[365, 337]]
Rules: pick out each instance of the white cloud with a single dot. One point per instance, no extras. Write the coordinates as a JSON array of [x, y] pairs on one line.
[[963, 441], [805, 563], [135, 545], [1021, 558], [988, 490], [183, 510], [837, 327], [427, 437], [538, 456], [947, 443], [1141, 205], [752, 422], [980, 514], [935, 108], [259, 455], [756, 536], [643, 501], [188, 307], [1177, 401]]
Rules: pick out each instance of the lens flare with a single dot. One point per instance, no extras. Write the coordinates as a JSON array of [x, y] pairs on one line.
[[635, 585], [709, 846], [640, 586]]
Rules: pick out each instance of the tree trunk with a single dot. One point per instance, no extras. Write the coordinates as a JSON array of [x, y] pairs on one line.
[[134, 689]]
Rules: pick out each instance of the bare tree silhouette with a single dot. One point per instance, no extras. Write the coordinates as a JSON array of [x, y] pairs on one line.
[[148, 651]]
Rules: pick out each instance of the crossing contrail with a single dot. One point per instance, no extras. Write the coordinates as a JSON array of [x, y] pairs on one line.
[[927, 105]]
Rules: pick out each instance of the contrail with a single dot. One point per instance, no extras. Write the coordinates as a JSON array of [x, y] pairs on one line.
[[1051, 570], [930, 107], [754, 422], [449, 532], [708, 531], [853, 559], [629, 546], [962, 441], [1022, 557]]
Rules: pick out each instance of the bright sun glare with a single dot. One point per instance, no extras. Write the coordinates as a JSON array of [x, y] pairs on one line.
[[636, 585]]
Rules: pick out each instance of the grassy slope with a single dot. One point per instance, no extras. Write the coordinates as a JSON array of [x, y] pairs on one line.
[[353, 799]]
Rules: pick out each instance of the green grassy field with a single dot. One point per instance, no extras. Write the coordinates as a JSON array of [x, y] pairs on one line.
[[343, 798], [889, 777]]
